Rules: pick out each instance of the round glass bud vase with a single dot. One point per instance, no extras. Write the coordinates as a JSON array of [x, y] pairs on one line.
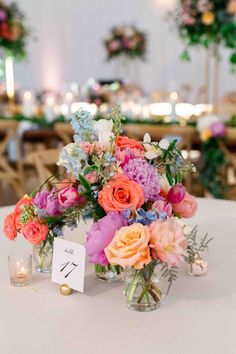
[[42, 255], [199, 265], [109, 273], [142, 289]]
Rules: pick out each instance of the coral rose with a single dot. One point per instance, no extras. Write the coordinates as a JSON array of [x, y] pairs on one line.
[[9, 227], [187, 207], [25, 201], [168, 241], [35, 231], [129, 247], [123, 142], [120, 193]]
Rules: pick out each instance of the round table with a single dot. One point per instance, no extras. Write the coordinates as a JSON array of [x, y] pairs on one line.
[[198, 316]]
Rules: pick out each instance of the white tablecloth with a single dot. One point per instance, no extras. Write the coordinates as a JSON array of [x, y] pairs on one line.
[[199, 315]]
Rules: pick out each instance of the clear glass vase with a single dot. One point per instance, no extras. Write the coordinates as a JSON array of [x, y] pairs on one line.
[[142, 289], [42, 255], [109, 273]]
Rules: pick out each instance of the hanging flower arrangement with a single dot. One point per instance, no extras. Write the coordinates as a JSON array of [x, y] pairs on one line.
[[206, 23], [13, 31]]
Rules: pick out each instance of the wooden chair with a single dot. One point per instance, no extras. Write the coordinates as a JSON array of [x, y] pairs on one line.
[[65, 132], [8, 173], [42, 161]]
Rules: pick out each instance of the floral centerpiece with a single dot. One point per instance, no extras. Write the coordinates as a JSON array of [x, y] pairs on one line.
[[206, 23], [134, 194], [125, 40], [13, 31]]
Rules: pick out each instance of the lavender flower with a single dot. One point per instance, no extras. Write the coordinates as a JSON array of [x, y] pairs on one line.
[[145, 175]]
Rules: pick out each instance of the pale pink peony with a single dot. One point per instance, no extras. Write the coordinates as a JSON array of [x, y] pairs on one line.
[[168, 242], [187, 207]]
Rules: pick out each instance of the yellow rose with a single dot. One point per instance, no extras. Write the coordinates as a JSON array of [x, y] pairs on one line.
[[206, 134], [130, 247], [208, 18]]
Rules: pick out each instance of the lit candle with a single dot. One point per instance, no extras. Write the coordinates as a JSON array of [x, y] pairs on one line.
[[20, 269], [10, 87], [49, 109], [28, 104], [198, 267]]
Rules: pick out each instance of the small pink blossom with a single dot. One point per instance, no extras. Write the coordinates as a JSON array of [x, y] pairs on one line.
[[92, 177], [188, 20], [162, 207], [87, 147]]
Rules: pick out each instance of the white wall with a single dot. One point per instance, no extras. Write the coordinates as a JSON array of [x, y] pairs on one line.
[[69, 45]]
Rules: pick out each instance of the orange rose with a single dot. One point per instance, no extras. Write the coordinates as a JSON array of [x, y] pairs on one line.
[[123, 142], [129, 247], [35, 231], [25, 201], [120, 193], [9, 227]]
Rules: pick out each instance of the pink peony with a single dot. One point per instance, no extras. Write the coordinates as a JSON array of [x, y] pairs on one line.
[[35, 231], [163, 208], [168, 242], [124, 155], [187, 207], [68, 197], [176, 194], [101, 235], [9, 227]]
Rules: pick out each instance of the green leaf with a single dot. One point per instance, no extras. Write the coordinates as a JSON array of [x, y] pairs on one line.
[[85, 183]]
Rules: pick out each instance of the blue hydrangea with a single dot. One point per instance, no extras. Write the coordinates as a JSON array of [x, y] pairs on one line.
[[72, 157], [141, 216], [82, 123]]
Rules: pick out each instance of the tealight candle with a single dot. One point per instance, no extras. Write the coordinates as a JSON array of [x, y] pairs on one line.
[[28, 104], [20, 269], [49, 109], [198, 267]]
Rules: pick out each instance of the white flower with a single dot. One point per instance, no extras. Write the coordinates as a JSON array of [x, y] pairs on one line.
[[164, 144], [103, 125], [151, 151], [206, 122], [146, 138], [103, 128]]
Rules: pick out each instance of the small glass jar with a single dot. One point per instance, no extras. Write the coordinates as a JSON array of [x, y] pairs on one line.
[[142, 290], [109, 273], [20, 269], [199, 266], [42, 255]]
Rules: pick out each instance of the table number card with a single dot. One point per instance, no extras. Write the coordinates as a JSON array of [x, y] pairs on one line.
[[68, 265]]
